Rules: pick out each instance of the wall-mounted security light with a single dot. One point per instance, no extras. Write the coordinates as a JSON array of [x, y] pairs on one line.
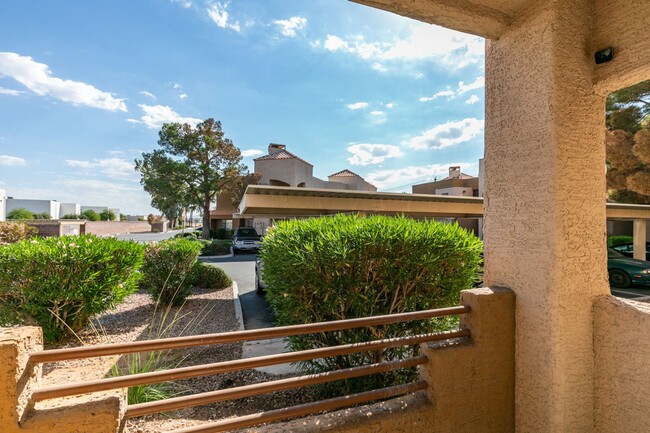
[[604, 56]]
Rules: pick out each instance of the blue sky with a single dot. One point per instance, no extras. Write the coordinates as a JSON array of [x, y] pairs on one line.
[[85, 86]]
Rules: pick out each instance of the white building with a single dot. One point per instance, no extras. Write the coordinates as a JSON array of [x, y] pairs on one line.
[[69, 209], [50, 207]]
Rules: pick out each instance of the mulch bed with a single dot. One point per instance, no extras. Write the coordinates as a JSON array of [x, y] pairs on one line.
[[206, 311]]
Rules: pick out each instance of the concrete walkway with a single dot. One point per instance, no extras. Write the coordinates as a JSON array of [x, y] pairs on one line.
[[256, 311]]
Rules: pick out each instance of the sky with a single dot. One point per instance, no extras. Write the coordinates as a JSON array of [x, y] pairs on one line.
[[86, 86]]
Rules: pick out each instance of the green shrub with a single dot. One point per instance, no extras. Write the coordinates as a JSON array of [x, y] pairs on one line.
[[210, 277], [71, 216], [345, 267], [58, 283], [20, 213], [42, 216], [167, 269], [14, 231], [613, 241], [217, 247], [220, 233], [90, 215]]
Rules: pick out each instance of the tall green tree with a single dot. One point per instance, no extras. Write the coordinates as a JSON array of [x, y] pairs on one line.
[[628, 144], [190, 167]]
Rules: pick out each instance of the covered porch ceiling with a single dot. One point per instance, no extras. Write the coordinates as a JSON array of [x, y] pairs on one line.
[[273, 201]]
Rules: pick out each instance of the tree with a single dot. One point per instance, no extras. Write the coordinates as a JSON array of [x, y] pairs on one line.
[[191, 166], [90, 215], [628, 144], [237, 187], [20, 213], [107, 215]]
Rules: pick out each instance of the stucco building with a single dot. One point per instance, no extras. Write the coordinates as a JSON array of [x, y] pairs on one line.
[[282, 168], [457, 183]]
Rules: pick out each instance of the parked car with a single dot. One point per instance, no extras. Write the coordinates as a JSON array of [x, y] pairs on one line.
[[625, 271], [628, 250], [260, 286], [245, 239]]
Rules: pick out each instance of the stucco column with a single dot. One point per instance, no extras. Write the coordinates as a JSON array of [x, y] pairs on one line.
[[545, 207], [639, 231]]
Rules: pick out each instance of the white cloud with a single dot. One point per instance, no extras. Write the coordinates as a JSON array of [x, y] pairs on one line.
[[476, 84], [462, 88], [425, 42], [472, 100], [447, 134], [10, 92], [406, 176], [8, 160], [176, 86], [289, 27], [155, 115], [114, 168], [379, 67], [389, 105], [38, 78], [251, 152], [358, 106], [367, 153], [377, 113], [185, 3], [148, 94], [183, 95], [218, 13], [441, 94]]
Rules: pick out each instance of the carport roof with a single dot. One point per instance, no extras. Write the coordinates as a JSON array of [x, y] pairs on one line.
[[273, 201]]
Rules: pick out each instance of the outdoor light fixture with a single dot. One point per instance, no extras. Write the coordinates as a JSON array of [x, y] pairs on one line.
[[604, 56]]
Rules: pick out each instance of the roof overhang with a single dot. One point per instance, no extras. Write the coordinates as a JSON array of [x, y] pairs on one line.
[[273, 201]]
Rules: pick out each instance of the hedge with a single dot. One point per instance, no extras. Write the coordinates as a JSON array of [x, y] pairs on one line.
[[167, 269], [13, 231], [348, 266], [58, 283], [210, 277], [613, 241]]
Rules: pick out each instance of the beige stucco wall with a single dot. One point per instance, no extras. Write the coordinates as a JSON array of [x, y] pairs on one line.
[[544, 226], [292, 171], [622, 354]]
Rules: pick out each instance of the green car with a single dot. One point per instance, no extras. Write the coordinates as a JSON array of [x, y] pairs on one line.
[[625, 271]]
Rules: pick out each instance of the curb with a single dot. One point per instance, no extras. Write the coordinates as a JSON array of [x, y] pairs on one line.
[[238, 311]]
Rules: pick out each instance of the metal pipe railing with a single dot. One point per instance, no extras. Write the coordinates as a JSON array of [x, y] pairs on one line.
[[305, 409], [236, 365], [141, 409], [229, 337]]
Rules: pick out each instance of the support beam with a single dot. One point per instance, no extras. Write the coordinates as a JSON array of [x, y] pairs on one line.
[[462, 15], [639, 232]]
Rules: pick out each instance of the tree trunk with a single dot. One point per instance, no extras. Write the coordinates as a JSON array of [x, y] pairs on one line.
[[205, 233]]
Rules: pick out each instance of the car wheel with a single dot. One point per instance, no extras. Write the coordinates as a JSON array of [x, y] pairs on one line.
[[619, 279]]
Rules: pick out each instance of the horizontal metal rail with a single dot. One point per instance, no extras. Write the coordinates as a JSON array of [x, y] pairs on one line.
[[305, 409], [229, 337], [236, 365], [141, 409]]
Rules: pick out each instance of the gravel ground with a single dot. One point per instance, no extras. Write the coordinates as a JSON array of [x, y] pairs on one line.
[[206, 311]]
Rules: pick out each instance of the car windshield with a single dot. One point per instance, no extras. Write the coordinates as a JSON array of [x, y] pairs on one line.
[[613, 254], [246, 232]]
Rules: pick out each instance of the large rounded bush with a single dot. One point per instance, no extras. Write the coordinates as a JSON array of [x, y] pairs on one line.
[[58, 283], [167, 269], [210, 277], [348, 266]]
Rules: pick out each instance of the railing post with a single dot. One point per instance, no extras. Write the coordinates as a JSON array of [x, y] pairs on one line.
[[471, 381], [97, 413], [17, 376]]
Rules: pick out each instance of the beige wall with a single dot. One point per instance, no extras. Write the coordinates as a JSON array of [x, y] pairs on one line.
[[292, 171], [622, 357], [106, 228]]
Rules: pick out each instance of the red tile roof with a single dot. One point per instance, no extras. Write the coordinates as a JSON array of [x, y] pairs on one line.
[[344, 173], [284, 154]]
